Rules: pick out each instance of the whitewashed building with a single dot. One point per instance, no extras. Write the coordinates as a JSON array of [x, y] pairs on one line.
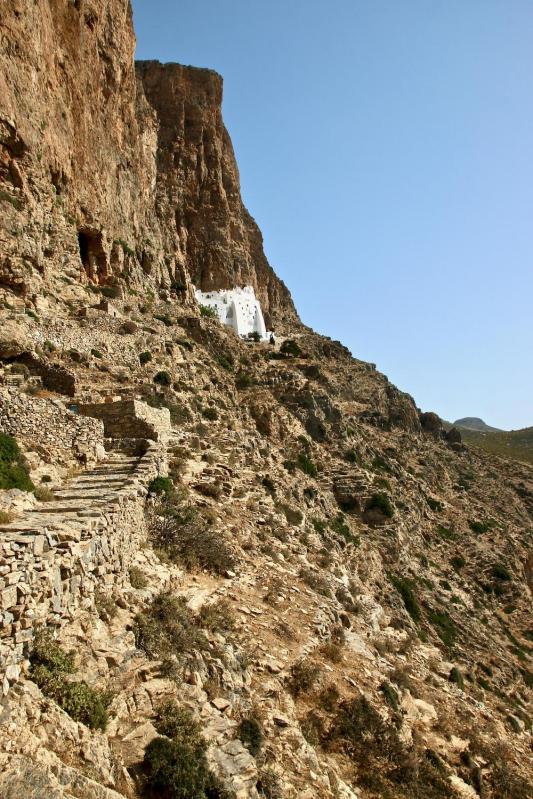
[[238, 308]]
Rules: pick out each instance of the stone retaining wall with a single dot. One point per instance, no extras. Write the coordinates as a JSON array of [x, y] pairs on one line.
[[41, 424], [47, 573], [54, 376], [130, 419]]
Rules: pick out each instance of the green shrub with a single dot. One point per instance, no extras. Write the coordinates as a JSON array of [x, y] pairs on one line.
[[404, 587], [290, 348], [456, 677], [96, 353], [210, 413], [145, 357], [269, 484], [176, 722], [385, 765], [48, 653], [481, 527], [381, 503], [111, 292], [306, 465], [14, 201], [165, 318], [351, 456], [304, 675], [50, 667], [161, 485], [391, 695], [162, 378], [217, 617], [458, 562], [85, 704], [379, 464], [13, 470], [44, 494], [341, 528], [434, 504], [226, 362], [175, 766], [446, 533], [168, 630], [244, 380], [500, 572], [363, 732], [175, 769], [251, 735], [208, 312], [125, 247], [444, 626], [138, 578], [186, 538], [319, 525]]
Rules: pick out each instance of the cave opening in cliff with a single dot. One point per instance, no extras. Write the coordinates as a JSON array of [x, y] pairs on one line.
[[92, 255], [83, 243]]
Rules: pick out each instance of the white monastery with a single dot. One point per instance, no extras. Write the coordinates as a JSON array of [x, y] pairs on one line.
[[238, 308]]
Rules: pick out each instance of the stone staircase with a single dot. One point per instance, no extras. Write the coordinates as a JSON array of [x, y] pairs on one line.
[[84, 497], [58, 555]]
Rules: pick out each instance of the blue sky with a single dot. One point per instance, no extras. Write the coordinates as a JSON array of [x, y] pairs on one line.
[[386, 151]]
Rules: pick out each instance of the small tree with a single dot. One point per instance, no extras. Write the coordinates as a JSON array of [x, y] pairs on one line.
[[290, 348], [208, 312]]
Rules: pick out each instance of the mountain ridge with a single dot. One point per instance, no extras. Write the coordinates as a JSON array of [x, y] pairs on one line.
[[475, 423]]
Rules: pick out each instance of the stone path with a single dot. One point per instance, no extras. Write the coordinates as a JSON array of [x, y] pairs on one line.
[[84, 497], [56, 555]]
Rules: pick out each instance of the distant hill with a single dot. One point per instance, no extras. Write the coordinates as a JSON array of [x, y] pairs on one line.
[[513, 444], [475, 423]]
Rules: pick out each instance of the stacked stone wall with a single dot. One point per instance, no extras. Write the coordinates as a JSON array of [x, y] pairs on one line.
[[54, 376], [43, 425], [49, 572], [130, 419]]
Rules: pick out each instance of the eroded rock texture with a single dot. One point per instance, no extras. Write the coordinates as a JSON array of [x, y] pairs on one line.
[[112, 175]]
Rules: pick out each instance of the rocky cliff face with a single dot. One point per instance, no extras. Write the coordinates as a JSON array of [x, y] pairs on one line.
[[116, 176], [198, 198], [323, 595]]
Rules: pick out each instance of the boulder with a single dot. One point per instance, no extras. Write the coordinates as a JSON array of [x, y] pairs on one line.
[[13, 340]]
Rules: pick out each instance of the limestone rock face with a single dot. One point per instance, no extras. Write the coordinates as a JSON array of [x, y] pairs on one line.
[[336, 589], [115, 176], [197, 189]]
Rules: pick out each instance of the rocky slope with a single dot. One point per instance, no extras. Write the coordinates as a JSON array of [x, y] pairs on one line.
[[337, 589]]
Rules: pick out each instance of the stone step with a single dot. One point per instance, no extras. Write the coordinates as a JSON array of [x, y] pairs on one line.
[[98, 484], [100, 472], [85, 494], [67, 509]]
